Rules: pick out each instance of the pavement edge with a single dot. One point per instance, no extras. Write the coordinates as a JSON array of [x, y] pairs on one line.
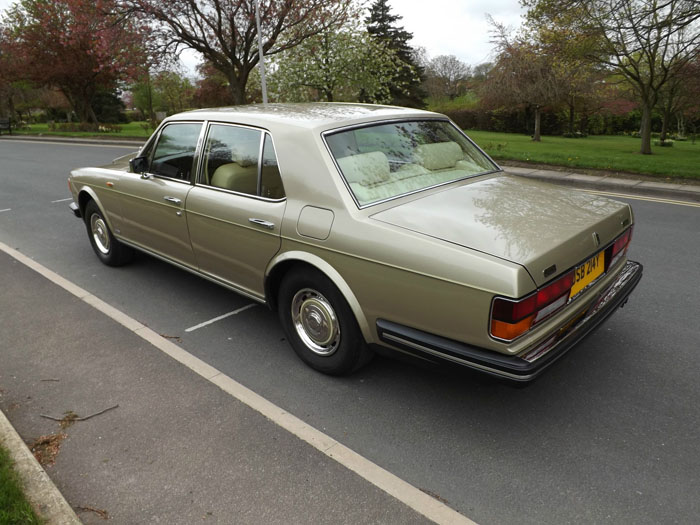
[[670, 190], [40, 490]]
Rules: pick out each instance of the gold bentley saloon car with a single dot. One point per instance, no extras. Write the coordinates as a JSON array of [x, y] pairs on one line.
[[368, 228]]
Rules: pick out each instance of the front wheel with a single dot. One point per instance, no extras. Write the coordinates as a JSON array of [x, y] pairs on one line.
[[319, 324], [109, 250]]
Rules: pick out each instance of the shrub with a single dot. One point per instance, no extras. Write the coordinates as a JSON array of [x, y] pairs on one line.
[[664, 143]]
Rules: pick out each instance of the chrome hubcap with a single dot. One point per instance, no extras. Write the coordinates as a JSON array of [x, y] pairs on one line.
[[99, 233], [315, 322]]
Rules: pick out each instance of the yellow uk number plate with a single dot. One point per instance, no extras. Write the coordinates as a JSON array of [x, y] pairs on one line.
[[588, 272]]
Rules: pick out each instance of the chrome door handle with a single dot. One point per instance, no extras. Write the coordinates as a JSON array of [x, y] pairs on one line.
[[265, 224], [174, 200]]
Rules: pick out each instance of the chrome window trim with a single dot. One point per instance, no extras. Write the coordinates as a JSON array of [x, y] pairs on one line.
[[373, 123], [195, 158], [263, 133]]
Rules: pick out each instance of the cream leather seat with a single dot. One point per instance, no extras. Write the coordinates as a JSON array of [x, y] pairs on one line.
[[240, 175]]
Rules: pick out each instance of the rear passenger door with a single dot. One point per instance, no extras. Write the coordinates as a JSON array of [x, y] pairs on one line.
[[235, 210]]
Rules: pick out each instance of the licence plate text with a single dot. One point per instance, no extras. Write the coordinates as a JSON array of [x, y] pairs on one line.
[[588, 272]]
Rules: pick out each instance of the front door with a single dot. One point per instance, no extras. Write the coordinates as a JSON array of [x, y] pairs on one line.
[[153, 203]]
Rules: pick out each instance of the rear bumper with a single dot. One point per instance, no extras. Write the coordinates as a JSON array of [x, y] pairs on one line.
[[517, 368], [75, 209]]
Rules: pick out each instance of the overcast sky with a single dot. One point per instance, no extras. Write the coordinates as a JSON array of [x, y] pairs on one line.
[[442, 27]]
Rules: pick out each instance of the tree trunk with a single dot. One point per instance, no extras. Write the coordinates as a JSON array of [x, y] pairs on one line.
[[665, 121], [645, 129], [236, 85], [572, 114], [536, 137], [93, 117], [149, 100], [664, 126]]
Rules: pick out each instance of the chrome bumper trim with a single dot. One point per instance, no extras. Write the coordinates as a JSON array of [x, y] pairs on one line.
[[517, 368]]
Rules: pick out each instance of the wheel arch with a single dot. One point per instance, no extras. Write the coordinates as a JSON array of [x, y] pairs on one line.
[[284, 262], [87, 194]]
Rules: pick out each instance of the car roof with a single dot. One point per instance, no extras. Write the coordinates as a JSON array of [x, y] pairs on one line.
[[316, 115]]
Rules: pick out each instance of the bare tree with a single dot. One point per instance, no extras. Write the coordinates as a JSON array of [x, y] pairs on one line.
[[523, 73], [446, 76], [646, 42], [224, 31]]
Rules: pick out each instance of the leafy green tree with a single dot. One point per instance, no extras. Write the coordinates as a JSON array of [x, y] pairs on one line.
[[343, 64], [174, 90], [408, 76], [144, 98], [646, 42]]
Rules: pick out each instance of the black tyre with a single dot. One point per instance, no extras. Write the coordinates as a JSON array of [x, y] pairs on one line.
[[109, 250], [319, 324]]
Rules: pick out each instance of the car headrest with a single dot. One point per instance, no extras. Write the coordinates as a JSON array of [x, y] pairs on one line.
[[440, 155], [365, 168]]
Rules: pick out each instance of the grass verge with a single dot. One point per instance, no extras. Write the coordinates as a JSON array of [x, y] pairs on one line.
[[14, 507], [603, 152], [130, 130]]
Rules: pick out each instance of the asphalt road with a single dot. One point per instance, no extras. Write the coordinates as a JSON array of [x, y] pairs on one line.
[[609, 434]]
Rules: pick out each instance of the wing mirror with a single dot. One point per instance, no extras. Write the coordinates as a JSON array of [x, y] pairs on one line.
[[139, 165]]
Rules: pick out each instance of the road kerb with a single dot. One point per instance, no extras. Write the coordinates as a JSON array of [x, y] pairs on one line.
[[42, 494]]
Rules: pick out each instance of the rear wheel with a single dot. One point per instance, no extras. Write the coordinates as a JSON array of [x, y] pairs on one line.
[[108, 249], [319, 324]]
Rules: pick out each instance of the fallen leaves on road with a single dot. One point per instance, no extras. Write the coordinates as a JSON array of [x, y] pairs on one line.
[[68, 419], [45, 448]]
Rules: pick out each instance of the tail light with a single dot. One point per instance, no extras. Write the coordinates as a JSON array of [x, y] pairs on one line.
[[619, 248], [511, 318]]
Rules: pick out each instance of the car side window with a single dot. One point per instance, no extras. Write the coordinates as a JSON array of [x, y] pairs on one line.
[[174, 153], [231, 158], [271, 182]]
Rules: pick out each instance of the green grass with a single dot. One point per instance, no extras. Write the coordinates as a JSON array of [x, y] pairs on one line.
[[612, 153], [130, 130], [440, 104], [14, 508]]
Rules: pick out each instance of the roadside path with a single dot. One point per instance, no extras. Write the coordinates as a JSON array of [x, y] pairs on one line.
[[177, 448]]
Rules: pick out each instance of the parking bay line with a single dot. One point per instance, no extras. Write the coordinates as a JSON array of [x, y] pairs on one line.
[[6, 209], [411, 496], [62, 200], [210, 321]]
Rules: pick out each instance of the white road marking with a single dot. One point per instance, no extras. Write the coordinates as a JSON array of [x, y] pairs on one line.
[[6, 209], [426, 505], [210, 321], [643, 198], [62, 200]]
